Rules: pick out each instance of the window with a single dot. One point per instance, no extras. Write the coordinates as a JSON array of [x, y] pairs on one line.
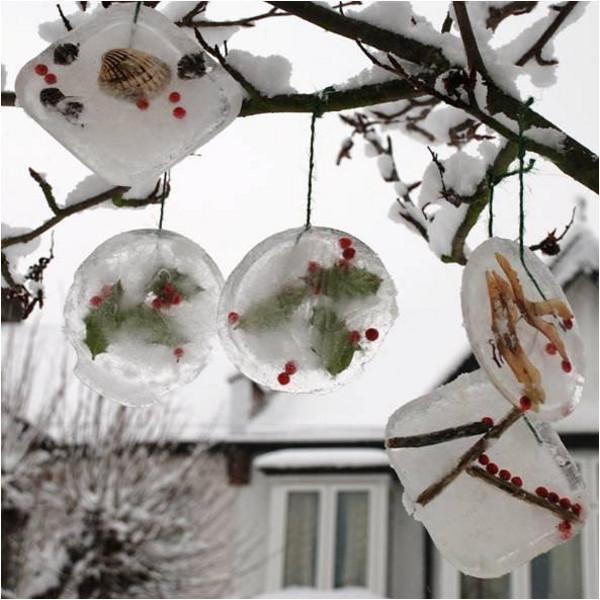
[[328, 532]]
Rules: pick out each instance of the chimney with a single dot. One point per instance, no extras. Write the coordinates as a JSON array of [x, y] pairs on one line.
[[247, 399]]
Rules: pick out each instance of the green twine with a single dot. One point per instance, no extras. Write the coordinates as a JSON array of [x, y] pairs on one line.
[[165, 185], [138, 5], [491, 205]]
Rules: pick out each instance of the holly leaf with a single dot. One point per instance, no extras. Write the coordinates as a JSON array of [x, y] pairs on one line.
[[332, 340], [345, 282], [274, 311], [102, 322], [149, 322]]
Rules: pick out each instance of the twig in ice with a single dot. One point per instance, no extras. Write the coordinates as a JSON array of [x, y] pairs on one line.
[[438, 437]]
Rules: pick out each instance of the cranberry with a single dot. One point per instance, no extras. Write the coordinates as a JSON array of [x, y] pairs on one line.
[[96, 301], [157, 303], [41, 69], [568, 323], [179, 112], [290, 367], [488, 421], [492, 468], [50, 78], [576, 508], [504, 474], [484, 459], [174, 97], [566, 366], [564, 527], [525, 403], [142, 104], [564, 503], [349, 253], [345, 242], [233, 318], [553, 497], [371, 334], [283, 378], [516, 480], [178, 352], [354, 337], [313, 267], [551, 348], [541, 491], [176, 299]]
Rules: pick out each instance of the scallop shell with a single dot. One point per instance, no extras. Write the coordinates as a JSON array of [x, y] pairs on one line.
[[132, 74]]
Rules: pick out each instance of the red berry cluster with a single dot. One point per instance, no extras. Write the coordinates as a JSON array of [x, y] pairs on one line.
[[168, 296], [42, 71], [98, 299], [564, 527], [178, 112], [492, 468], [289, 369], [348, 251]]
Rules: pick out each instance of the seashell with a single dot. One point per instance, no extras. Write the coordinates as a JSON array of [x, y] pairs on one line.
[[132, 74], [191, 66], [65, 54]]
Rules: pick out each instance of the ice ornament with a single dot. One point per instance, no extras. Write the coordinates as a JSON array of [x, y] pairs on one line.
[[141, 315], [128, 99], [305, 309], [528, 344], [513, 497]]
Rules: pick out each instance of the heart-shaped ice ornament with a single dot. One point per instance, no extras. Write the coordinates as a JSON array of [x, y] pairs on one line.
[[522, 329], [492, 489], [128, 98]]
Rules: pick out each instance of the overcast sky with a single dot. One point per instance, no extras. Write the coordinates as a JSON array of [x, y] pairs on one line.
[[250, 182]]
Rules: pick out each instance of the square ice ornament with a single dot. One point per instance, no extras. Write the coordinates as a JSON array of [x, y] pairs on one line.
[[517, 495], [129, 99]]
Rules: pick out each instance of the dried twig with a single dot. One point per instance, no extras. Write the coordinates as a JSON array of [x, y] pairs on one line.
[[438, 437], [549, 245], [64, 19], [497, 14], [474, 58]]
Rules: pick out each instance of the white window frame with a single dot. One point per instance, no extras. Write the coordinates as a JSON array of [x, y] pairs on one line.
[[447, 577], [328, 486]]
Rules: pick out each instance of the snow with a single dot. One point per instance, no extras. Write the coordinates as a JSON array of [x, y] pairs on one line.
[[281, 263], [3, 76], [579, 255], [552, 138], [269, 74], [385, 164], [442, 228], [111, 135], [312, 458], [16, 254], [307, 592], [53, 31], [481, 530]]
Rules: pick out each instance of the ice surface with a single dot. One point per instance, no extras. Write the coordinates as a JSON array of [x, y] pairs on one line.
[[135, 369], [482, 530], [315, 333], [562, 388], [119, 141]]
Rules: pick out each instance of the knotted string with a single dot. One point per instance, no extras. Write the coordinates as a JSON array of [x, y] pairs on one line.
[[317, 113]]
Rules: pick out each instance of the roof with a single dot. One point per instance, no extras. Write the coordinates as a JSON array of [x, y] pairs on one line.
[[316, 458]]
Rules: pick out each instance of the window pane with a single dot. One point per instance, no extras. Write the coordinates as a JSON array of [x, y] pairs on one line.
[[557, 574], [473, 587], [301, 539], [351, 539]]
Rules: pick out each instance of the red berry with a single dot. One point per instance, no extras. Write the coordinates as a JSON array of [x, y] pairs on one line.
[[354, 337], [525, 403], [176, 299], [568, 323], [174, 97], [157, 303], [484, 459], [551, 348], [564, 503], [488, 421], [178, 352], [371, 334], [566, 366], [349, 253], [492, 468], [233, 318], [553, 497], [41, 69], [179, 112], [541, 491], [564, 527], [576, 508], [96, 300], [283, 378], [313, 266], [290, 367], [516, 480], [345, 242], [50, 78], [504, 474], [142, 104]]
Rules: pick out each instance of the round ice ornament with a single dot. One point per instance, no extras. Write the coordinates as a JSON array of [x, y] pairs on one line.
[[141, 315], [305, 309], [522, 329], [104, 92]]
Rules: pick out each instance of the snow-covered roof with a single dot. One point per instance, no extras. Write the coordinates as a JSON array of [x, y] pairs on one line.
[[315, 458]]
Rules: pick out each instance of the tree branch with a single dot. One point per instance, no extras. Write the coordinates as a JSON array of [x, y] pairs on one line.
[[438, 437], [474, 58], [497, 14]]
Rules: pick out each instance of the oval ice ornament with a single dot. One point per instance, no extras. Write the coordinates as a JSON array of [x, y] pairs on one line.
[[529, 345], [518, 496], [129, 100], [304, 310], [141, 315]]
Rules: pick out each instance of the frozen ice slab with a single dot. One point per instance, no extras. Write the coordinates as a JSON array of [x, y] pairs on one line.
[[482, 530], [536, 350], [141, 315], [129, 100], [304, 310]]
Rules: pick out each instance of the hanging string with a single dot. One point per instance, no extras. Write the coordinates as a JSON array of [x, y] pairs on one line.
[[166, 185], [136, 14], [491, 205], [521, 171]]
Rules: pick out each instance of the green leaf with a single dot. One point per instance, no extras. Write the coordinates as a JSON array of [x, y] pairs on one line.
[[346, 282], [142, 319], [332, 340], [274, 311], [102, 322]]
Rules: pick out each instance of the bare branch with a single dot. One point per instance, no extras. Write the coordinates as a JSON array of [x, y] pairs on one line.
[[474, 58], [438, 437], [64, 19], [497, 14]]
